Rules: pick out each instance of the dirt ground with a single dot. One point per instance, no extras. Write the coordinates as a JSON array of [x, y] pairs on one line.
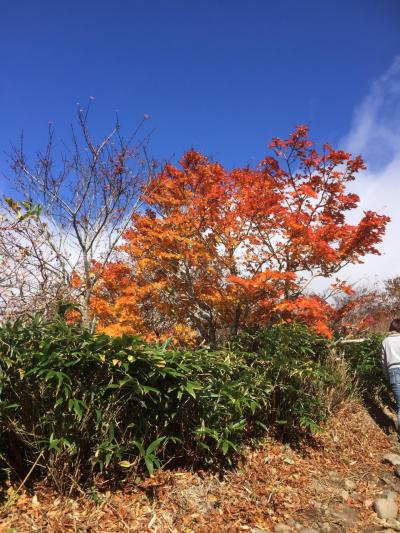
[[329, 484]]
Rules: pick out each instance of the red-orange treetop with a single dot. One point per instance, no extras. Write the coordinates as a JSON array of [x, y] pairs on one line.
[[217, 250]]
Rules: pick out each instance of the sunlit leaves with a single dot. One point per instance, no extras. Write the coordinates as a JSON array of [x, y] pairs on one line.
[[217, 250]]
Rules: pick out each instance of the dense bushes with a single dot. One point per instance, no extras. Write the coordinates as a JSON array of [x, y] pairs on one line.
[[365, 363], [81, 404], [301, 369]]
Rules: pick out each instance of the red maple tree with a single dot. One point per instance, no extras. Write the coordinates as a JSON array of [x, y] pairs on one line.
[[218, 250]]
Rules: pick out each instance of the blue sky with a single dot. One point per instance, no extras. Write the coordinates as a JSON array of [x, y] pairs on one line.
[[222, 76]]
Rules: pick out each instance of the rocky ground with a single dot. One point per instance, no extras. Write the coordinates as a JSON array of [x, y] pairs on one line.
[[346, 479]]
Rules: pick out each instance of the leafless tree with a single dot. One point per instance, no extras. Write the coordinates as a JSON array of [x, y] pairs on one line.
[[31, 274], [88, 192]]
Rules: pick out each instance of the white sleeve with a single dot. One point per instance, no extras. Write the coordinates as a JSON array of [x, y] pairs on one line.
[[384, 362]]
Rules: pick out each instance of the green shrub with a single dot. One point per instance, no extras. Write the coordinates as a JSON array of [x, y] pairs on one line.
[[364, 359], [87, 404], [300, 367]]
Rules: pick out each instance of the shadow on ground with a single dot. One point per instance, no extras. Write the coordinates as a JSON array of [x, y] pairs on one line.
[[384, 414]]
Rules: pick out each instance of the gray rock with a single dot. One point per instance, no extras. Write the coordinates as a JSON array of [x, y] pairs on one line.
[[326, 527], [295, 524], [389, 494], [393, 524], [282, 528], [317, 487], [333, 474], [392, 458], [315, 504], [343, 495], [349, 484], [385, 506], [342, 514], [309, 530], [259, 530], [391, 481], [356, 497]]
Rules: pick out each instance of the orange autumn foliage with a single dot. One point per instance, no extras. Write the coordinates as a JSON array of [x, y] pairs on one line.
[[72, 316], [218, 250]]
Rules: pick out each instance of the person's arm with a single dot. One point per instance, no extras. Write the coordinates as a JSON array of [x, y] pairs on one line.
[[384, 363]]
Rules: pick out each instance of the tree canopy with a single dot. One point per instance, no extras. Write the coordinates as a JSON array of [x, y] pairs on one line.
[[217, 250]]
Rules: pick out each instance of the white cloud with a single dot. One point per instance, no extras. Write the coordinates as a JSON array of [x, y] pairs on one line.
[[375, 131], [375, 134]]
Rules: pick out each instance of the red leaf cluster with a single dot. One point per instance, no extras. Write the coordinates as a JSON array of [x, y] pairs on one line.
[[218, 250]]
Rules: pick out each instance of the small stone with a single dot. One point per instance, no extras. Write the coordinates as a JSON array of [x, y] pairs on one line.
[[389, 494], [349, 484], [374, 528], [343, 495], [317, 487], [282, 528], [392, 458], [326, 527], [397, 471], [368, 502], [393, 524], [294, 524], [381, 521], [315, 504], [343, 514], [309, 530], [356, 497], [385, 507], [259, 530], [391, 481]]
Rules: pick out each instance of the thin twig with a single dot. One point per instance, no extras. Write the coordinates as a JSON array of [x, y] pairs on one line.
[[11, 500]]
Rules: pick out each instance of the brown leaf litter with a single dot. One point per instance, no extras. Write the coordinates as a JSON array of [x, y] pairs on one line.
[[274, 484]]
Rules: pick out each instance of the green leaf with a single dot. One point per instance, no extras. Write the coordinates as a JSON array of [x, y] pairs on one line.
[[140, 448], [191, 386], [154, 445], [146, 389], [149, 465], [77, 408]]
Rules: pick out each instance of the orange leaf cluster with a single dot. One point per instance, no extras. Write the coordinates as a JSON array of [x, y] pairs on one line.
[[217, 250]]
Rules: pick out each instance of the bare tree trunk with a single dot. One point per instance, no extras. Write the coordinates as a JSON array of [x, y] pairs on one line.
[[236, 321]]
